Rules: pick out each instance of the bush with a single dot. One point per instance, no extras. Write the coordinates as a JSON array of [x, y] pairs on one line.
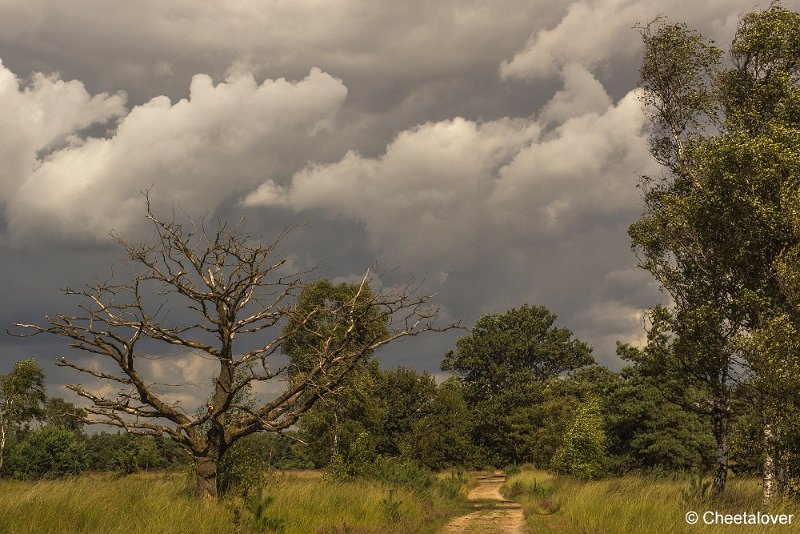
[[404, 474], [48, 452], [583, 452], [127, 461], [243, 466]]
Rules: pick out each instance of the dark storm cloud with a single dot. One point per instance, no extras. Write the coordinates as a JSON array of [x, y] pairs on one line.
[[489, 148]]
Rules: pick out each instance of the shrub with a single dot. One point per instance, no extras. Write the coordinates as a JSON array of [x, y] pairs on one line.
[[511, 469], [48, 452], [583, 452], [404, 474], [243, 466], [127, 461], [391, 507]]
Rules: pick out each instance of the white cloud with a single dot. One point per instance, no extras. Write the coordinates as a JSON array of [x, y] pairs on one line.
[[582, 94], [441, 187], [42, 112], [423, 201], [220, 142], [594, 32]]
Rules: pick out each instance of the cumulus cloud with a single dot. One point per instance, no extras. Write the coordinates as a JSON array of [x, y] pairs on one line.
[[492, 150], [221, 141], [43, 112], [500, 197], [347, 36], [423, 201], [582, 94], [595, 32], [441, 186]]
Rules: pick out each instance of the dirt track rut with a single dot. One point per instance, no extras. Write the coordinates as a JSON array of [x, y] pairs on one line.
[[494, 514]]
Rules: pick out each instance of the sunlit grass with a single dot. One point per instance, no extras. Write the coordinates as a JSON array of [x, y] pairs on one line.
[[304, 502], [633, 504]]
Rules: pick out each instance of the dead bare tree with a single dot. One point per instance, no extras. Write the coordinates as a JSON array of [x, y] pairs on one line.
[[233, 287]]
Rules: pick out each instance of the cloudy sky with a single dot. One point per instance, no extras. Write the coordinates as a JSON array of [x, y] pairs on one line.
[[489, 148]]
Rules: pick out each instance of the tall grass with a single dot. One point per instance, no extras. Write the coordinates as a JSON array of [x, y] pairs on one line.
[[160, 503], [634, 504]]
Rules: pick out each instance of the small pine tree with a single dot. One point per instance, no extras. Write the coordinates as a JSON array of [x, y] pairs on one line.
[[583, 452]]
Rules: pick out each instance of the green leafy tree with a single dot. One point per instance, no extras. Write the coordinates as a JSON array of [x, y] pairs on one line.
[[540, 427], [441, 437], [504, 365], [47, 452], [22, 393], [648, 420], [334, 424], [406, 396], [718, 231]]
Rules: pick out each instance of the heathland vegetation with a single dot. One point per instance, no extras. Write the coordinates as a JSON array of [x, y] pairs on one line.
[[704, 416]]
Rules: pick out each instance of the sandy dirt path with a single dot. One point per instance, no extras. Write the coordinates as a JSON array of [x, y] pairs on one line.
[[494, 514]]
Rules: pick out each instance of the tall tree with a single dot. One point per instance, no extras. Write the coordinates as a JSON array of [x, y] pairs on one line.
[[22, 393], [718, 231], [503, 365], [230, 287]]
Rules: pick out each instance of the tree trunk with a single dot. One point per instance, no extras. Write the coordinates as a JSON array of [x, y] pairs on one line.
[[720, 425], [206, 477], [2, 444], [769, 480]]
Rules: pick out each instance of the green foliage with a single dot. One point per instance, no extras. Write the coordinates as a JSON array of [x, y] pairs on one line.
[[334, 423], [583, 452], [507, 351], [405, 397], [511, 469], [48, 452], [391, 507], [453, 486], [256, 504], [22, 393], [126, 453], [355, 462], [244, 465], [402, 411], [325, 311], [58, 412], [647, 421], [401, 473], [440, 437], [127, 461], [504, 366], [720, 230]]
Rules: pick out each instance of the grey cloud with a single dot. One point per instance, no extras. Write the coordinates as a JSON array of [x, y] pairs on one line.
[[490, 148]]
